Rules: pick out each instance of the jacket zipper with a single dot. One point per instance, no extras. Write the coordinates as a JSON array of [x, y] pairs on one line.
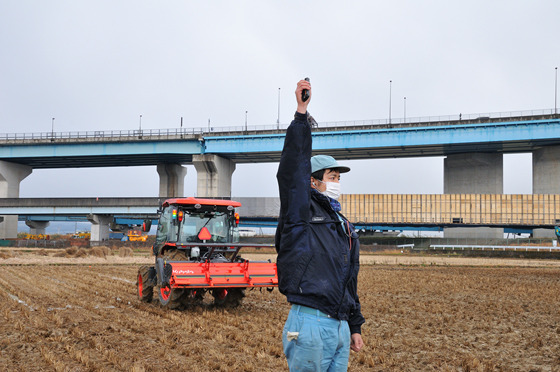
[[348, 274]]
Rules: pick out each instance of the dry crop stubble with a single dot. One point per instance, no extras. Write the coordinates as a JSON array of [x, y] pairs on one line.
[[88, 318], [135, 335], [480, 318]]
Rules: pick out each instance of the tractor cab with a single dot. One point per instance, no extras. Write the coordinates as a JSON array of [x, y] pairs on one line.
[[187, 221]]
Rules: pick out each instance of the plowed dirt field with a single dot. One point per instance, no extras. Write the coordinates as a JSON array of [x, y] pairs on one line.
[[86, 317]]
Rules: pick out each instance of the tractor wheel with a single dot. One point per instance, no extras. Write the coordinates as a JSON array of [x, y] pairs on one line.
[[145, 284], [171, 298], [228, 297]]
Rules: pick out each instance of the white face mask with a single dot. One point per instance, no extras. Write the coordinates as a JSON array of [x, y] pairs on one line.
[[333, 190]]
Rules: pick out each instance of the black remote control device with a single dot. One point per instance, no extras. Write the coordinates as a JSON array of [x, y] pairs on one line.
[[305, 92]]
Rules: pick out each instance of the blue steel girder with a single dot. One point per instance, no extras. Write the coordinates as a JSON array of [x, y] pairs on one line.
[[77, 155], [507, 137]]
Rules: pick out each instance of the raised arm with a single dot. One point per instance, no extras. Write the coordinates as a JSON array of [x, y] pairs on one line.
[[294, 171]]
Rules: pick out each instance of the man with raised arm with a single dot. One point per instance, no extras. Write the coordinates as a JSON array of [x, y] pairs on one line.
[[318, 254]]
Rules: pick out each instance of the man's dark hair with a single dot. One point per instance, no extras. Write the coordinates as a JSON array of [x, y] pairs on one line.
[[319, 174]]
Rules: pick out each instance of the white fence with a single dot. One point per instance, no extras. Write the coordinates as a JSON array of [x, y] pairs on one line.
[[495, 247], [403, 246]]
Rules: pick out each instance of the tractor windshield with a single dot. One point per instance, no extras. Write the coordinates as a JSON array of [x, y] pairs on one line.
[[184, 226], [217, 224]]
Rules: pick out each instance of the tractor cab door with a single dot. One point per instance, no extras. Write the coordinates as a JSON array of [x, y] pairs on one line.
[[167, 227]]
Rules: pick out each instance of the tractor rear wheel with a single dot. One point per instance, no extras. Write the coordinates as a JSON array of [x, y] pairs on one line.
[[176, 255], [145, 284], [172, 298], [228, 297]]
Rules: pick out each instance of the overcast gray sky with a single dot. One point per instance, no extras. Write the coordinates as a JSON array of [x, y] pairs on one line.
[[99, 65]]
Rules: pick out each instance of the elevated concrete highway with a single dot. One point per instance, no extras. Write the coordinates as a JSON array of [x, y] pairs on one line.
[[106, 212], [472, 144], [344, 140], [372, 212]]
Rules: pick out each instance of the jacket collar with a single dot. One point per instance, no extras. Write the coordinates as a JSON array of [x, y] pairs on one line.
[[326, 201]]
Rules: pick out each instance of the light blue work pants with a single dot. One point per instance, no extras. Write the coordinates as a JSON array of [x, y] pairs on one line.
[[315, 342]]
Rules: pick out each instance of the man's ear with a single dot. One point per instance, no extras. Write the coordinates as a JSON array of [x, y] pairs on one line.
[[313, 182]]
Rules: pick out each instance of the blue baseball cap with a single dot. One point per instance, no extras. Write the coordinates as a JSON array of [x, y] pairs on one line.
[[320, 162]]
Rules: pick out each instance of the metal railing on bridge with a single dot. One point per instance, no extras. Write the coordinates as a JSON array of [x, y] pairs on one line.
[[116, 135], [182, 133]]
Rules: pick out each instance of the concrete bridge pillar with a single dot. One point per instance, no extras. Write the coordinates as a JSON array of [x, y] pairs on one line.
[[171, 180], [37, 227], [99, 227], [473, 173], [546, 170], [10, 177], [213, 175], [546, 179]]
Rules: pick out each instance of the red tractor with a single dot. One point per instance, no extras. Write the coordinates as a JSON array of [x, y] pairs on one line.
[[197, 251]]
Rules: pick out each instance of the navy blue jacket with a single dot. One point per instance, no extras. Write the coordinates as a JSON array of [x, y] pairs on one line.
[[318, 259]]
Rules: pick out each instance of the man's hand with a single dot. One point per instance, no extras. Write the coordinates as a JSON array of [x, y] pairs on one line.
[[356, 342], [302, 106]]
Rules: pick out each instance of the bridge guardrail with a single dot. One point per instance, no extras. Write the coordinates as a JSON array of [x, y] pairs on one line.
[[102, 135], [177, 133]]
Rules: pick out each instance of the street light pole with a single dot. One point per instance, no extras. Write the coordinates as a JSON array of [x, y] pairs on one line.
[[390, 93], [555, 90], [278, 120], [140, 128], [52, 128], [246, 120], [405, 109]]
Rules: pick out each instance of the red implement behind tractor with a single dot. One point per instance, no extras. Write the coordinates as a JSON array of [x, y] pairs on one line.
[[197, 251]]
